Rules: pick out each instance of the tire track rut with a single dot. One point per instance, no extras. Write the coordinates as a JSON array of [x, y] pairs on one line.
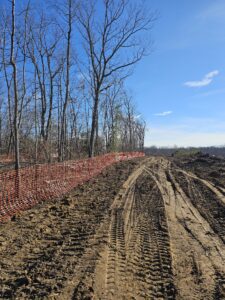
[[138, 259], [191, 208]]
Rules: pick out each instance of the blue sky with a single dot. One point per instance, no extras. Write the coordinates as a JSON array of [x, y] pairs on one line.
[[180, 87]]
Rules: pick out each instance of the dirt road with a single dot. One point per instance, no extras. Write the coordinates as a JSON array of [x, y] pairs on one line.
[[195, 211], [144, 229]]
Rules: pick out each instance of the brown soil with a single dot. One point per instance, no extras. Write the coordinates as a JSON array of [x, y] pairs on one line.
[[144, 229]]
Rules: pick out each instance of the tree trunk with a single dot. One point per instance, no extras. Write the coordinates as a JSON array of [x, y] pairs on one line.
[[15, 122], [63, 125], [94, 125], [0, 131]]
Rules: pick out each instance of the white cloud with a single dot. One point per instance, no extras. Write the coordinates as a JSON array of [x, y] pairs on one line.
[[207, 79], [163, 114]]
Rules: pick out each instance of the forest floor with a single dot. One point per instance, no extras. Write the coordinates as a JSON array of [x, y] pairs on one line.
[[150, 228]]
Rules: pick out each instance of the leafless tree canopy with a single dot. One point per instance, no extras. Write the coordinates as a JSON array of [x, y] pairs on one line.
[[63, 67]]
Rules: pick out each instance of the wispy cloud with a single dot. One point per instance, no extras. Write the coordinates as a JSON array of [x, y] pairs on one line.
[[206, 80], [163, 114]]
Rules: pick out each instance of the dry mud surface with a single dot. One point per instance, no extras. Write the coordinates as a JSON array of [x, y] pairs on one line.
[[144, 229]]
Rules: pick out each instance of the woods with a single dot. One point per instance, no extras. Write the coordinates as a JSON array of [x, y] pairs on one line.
[[63, 72]]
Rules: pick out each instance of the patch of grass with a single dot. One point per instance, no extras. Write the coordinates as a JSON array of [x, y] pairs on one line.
[[186, 152]]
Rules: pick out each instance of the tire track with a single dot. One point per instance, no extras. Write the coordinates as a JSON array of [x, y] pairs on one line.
[[138, 263], [160, 235], [197, 272], [48, 252], [205, 200]]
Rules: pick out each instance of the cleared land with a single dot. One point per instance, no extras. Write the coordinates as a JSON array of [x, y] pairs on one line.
[[144, 229]]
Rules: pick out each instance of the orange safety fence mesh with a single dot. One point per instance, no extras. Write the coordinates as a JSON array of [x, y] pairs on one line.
[[23, 189]]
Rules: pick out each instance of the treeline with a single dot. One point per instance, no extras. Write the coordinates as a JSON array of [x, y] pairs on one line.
[[217, 151], [63, 67]]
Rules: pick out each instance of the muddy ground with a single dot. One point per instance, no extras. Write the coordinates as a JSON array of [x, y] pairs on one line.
[[149, 228]]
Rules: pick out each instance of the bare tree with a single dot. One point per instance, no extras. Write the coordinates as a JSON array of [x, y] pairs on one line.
[[66, 12], [112, 45], [112, 110], [62, 66], [6, 76], [15, 88], [48, 63]]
